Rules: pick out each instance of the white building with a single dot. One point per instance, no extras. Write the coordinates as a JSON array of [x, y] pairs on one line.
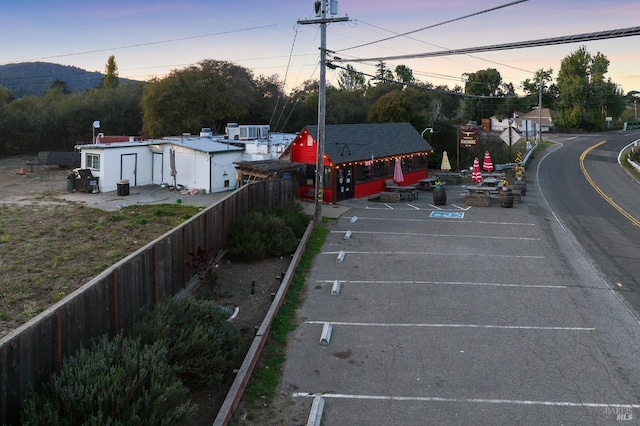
[[204, 162], [200, 163]]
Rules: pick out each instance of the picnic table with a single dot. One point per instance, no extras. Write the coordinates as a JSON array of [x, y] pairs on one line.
[[410, 190], [427, 184], [490, 181], [481, 189], [449, 175]]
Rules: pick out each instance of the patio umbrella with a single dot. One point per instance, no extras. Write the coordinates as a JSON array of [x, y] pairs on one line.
[[487, 164], [476, 176], [445, 162], [172, 163], [397, 172]]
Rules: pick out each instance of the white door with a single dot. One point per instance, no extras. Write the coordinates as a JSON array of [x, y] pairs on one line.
[[128, 164], [157, 171]]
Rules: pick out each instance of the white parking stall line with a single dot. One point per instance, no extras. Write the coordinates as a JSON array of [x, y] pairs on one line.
[[452, 283], [470, 400], [444, 325], [413, 253], [420, 234]]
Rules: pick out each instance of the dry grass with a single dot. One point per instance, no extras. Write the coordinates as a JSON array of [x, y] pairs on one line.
[[48, 251]]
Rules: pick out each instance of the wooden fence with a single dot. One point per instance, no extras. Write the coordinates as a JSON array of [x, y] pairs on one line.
[[111, 302]]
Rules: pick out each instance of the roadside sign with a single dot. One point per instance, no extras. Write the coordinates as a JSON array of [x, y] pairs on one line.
[[515, 136], [447, 215], [468, 137]]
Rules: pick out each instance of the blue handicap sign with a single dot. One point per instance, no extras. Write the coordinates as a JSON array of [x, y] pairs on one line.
[[447, 215]]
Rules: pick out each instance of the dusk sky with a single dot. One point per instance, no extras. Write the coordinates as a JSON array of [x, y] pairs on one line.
[[151, 38]]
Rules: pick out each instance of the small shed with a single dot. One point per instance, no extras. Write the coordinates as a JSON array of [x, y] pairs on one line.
[[250, 171]]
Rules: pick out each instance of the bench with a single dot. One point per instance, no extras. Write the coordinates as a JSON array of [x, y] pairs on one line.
[[389, 197]]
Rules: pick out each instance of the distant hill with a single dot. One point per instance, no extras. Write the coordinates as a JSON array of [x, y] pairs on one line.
[[35, 78]]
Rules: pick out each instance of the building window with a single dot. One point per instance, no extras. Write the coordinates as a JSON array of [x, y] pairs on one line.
[[93, 162], [364, 171]]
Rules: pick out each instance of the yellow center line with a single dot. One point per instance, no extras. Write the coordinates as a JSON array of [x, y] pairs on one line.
[[601, 192]]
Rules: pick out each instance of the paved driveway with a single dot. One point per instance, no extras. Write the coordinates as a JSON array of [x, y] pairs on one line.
[[455, 315]]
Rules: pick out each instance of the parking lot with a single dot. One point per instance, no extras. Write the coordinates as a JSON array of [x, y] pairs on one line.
[[420, 314]]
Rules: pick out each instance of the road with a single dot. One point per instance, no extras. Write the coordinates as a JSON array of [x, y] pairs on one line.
[[483, 316], [599, 203]]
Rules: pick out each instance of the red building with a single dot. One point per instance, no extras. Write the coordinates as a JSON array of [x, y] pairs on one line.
[[359, 158]]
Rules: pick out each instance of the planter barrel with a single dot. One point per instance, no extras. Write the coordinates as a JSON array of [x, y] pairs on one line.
[[506, 197], [520, 185], [439, 196]]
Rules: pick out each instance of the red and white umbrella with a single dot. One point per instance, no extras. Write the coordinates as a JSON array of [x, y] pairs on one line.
[[398, 176], [487, 164], [476, 176]]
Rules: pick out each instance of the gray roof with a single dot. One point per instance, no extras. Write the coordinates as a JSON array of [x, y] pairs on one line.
[[360, 142]]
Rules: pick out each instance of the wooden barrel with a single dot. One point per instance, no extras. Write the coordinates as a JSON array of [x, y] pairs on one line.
[[439, 196], [521, 185], [506, 197]]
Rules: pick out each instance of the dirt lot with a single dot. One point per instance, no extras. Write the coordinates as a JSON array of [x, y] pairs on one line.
[[32, 278]]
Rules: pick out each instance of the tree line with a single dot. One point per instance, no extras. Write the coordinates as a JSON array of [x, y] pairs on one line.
[[214, 93]]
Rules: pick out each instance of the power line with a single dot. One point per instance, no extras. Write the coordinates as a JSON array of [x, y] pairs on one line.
[[417, 86], [151, 43], [435, 25], [601, 35]]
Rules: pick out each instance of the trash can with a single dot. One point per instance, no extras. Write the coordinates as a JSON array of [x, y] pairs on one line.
[[71, 178], [123, 187]]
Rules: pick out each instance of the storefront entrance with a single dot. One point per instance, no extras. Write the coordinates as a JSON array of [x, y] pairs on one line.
[[344, 183]]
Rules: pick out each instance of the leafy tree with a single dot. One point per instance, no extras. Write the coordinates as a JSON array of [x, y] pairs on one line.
[[111, 79], [60, 85], [531, 88], [586, 96], [404, 74], [382, 72], [209, 94], [487, 84], [351, 80]]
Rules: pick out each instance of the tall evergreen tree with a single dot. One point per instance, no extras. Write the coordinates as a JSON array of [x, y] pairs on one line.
[[111, 79]]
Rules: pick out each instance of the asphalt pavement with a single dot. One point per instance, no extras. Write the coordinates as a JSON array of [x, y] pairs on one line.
[[417, 314]]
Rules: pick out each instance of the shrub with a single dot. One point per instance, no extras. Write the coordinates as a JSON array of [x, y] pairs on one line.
[[259, 235], [201, 343], [294, 216], [118, 382]]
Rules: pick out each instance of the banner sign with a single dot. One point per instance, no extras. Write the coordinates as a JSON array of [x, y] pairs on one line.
[[468, 137]]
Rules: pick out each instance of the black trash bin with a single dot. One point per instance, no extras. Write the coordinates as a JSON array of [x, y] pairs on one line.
[[123, 188], [71, 178]]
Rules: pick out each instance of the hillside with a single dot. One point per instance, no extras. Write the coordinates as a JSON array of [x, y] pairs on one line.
[[35, 78]]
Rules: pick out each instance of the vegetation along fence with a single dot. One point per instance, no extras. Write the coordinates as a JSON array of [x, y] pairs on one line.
[[111, 302]]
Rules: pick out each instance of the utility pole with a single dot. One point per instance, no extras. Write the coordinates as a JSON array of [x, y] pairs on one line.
[[321, 13], [540, 113]]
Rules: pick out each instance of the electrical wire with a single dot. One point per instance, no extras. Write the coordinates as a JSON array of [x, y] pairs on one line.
[[576, 38], [275, 107], [435, 25]]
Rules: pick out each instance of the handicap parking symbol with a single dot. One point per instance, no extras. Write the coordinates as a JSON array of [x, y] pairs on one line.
[[447, 215]]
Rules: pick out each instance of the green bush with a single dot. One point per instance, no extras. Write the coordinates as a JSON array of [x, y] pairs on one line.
[[259, 235], [201, 343], [294, 216], [118, 382]]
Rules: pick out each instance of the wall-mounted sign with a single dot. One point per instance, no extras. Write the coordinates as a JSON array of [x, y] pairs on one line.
[[468, 137]]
